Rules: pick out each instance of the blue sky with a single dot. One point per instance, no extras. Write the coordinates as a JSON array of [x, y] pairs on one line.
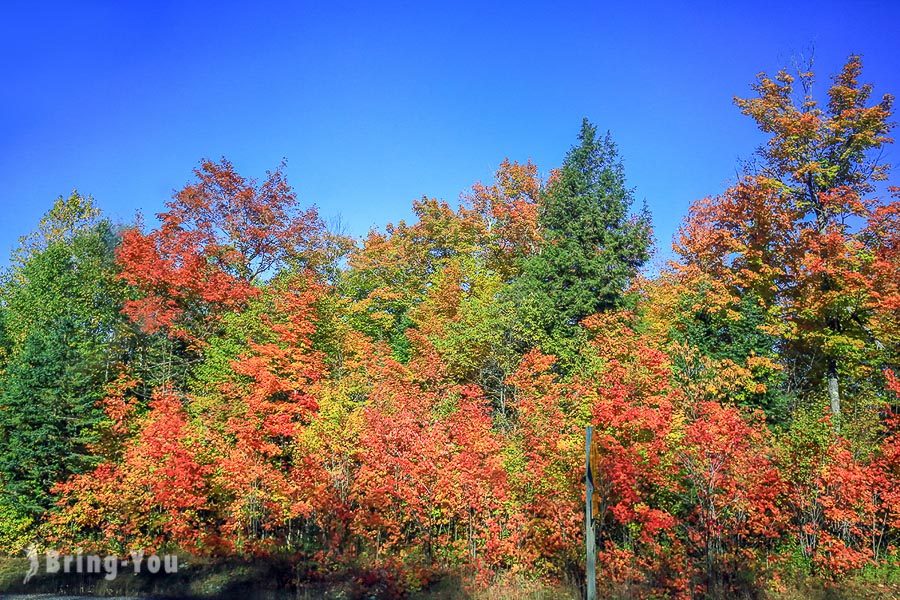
[[375, 104]]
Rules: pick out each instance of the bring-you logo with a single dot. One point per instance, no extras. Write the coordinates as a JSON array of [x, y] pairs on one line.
[[110, 566]]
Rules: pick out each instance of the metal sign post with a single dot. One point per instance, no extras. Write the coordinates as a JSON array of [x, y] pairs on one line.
[[590, 570]]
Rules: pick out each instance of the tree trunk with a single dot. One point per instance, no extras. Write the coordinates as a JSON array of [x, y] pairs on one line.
[[834, 393]]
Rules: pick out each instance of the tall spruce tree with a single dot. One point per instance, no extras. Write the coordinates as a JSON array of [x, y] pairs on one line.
[[61, 309], [592, 246], [48, 412]]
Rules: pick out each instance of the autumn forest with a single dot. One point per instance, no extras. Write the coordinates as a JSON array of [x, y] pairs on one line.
[[236, 378]]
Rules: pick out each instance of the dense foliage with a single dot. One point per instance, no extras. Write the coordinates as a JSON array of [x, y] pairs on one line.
[[239, 380]]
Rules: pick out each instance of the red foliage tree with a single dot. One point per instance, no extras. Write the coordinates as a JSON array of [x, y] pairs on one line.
[[430, 476], [219, 235], [734, 491], [155, 496]]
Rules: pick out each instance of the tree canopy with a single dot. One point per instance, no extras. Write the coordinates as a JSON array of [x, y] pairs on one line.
[[236, 380]]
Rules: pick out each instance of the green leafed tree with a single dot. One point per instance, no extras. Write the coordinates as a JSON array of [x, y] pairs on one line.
[[65, 219], [592, 246], [61, 314]]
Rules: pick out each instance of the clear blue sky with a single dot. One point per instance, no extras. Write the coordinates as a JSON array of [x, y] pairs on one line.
[[375, 104]]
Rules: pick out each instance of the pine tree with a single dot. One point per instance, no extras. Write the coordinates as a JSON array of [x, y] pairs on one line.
[[49, 407], [592, 247], [62, 312]]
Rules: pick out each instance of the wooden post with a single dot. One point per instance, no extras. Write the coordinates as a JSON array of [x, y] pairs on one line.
[[590, 570]]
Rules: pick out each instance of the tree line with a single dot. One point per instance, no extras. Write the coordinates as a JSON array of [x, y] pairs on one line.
[[238, 379]]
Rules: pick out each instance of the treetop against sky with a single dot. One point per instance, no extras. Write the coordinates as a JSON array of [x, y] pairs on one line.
[[374, 106]]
